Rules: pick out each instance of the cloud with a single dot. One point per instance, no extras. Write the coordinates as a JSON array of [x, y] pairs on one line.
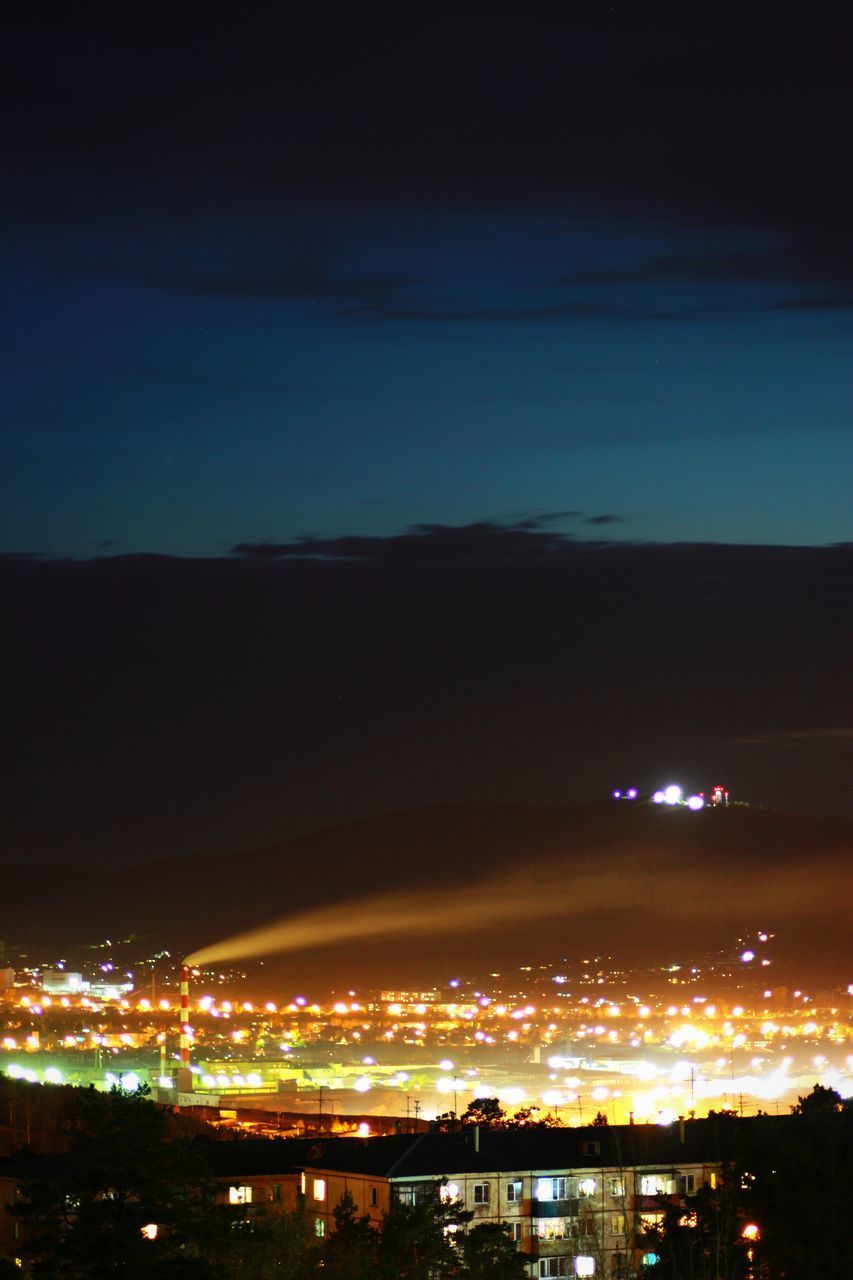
[[296, 280], [797, 261], [528, 539], [809, 302], [612, 117], [497, 315], [795, 736], [538, 520], [563, 311]]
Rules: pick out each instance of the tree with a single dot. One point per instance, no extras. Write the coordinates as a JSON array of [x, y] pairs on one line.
[[489, 1114], [599, 1120], [275, 1247], [488, 1252], [350, 1251], [83, 1220], [797, 1177], [486, 1112], [531, 1118], [699, 1237], [821, 1101], [416, 1241]]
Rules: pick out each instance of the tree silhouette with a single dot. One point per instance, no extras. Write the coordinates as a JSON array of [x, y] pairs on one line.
[[84, 1220], [488, 1252], [350, 1251]]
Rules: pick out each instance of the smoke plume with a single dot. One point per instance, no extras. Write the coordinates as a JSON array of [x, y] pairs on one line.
[[659, 887]]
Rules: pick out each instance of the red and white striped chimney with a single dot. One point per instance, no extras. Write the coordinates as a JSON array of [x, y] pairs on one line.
[[185, 1017]]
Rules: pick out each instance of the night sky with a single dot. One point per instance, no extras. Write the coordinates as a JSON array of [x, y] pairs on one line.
[[423, 342]]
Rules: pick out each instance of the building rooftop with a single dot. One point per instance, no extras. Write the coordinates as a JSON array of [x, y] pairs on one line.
[[468, 1150], [489, 1151]]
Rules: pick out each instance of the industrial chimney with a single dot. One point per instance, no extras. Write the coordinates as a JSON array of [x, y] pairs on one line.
[[185, 1079]]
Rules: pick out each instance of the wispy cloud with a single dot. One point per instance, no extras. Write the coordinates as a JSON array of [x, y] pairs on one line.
[[795, 736], [295, 280], [529, 539], [807, 263], [497, 315]]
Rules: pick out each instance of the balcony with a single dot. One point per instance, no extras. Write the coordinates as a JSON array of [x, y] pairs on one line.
[[653, 1204], [550, 1208]]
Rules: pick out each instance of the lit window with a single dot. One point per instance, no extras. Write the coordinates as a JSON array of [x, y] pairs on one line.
[[319, 1189], [551, 1189], [656, 1184], [551, 1228], [319, 1227], [239, 1195], [584, 1265], [481, 1193], [513, 1192], [149, 1231], [449, 1192], [587, 1186]]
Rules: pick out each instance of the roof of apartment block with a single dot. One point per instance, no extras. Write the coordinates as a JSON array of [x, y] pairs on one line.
[[522, 1150]]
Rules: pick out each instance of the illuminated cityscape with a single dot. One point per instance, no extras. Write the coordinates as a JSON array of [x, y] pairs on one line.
[[570, 1039]]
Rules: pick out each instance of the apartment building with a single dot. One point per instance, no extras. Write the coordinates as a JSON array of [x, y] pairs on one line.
[[574, 1199]]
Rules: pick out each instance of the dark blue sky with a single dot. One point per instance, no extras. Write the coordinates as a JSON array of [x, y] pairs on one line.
[[316, 277]]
